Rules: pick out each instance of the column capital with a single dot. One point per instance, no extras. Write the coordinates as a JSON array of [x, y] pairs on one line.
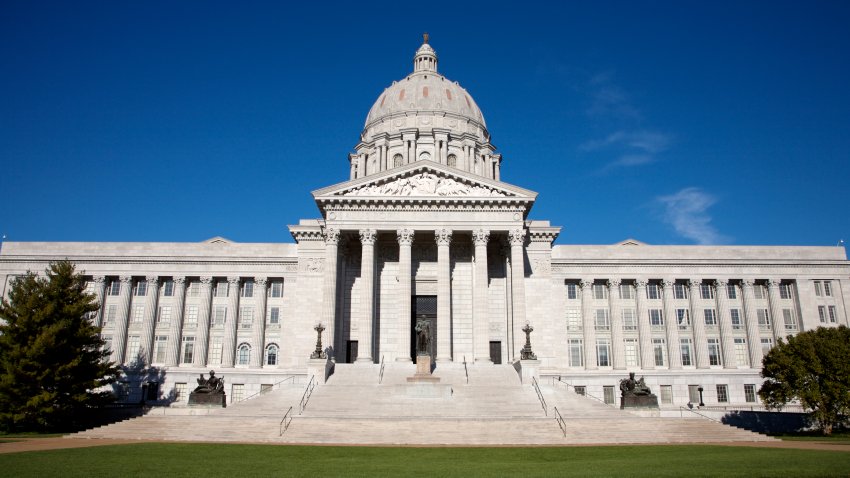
[[152, 280], [516, 236], [666, 284], [206, 280], [694, 283], [586, 283], [99, 279], [332, 235], [261, 281], [641, 283], [179, 280], [233, 280], [443, 237], [126, 279], [404, 237], [480, 237], [367, 236], [721, 283], [614, 283], [748, 283], [773, 283]]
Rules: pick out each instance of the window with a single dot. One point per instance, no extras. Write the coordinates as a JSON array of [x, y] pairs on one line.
[[750, 393], [666, 394], [221, 288], [735, 316], [600, 291], [763, 318], [731, 291], [656, 319], [132, 349], [266, 388], [220, 316], [766, 345], [785, 291], [608, 394], [822, 313], [237, 392], [164, 314], [823, 288], [576, 353], [714, 351], [247, 289], [168, 288], [111, 312], [114, 288], [706, 291], [580, 390], [138, 313], [687, 353], [271, 354], [758, 291], [399, 159], [682, 318], [216, 346], [243, 354], [191, 317], [141, 289], [722, 393], [710, 317], [741, 356], [630, 352], [276, 289], [159, 348], [274, 315], [603, 352], [572, 291], [194, 289], [107, 344], [629, 319], [188, 349], [693, 393], [658, 350], [246, 317], [680, 291], [626, 291], [832, 314], [601, 316], [827, 288], [653, 291], [788, 317], [573, 319], [180, 392], [89, 287]]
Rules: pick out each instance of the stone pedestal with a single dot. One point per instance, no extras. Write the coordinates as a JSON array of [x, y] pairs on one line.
[[527, 369], [207, 400], [423, 371], [321, 368], [639, 402]]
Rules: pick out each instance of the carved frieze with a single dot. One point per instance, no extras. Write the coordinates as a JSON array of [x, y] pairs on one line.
[[312, 265], [425, 184]]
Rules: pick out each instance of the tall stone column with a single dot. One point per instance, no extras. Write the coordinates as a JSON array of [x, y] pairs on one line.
[[443, 152], [405, 264], [777, 320], [516, 238], [258, 330], [99, 293], [644, 327], [203, 336], [480, 329], [674, 355], [444, 295], [367, 298], [617, 346], [119, 336], [698, 324], [588, 324], [725, 322], [330, 286], [750, 317], [176, 324], [149, 320], [229, 347]]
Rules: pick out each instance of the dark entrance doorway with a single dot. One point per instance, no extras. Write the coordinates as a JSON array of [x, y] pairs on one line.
[[496, 352], [424, 307], [350, 351]]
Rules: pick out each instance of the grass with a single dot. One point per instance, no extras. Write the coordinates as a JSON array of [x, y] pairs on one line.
[[842, 438], [168, 459]]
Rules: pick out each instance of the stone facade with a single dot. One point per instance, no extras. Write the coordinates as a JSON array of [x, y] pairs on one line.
[[425, 219]]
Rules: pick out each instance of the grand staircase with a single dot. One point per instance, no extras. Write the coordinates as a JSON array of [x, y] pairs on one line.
[[481, 405]]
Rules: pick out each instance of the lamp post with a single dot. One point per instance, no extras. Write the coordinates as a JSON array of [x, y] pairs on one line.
[[526, 353], [700, 396], [318, 353]]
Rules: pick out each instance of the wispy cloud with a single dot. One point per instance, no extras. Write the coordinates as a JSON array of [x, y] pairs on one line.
[[609, 99], [632, 148], [687, 212]]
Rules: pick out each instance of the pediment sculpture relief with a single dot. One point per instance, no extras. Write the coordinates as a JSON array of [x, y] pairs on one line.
[[425, 184]]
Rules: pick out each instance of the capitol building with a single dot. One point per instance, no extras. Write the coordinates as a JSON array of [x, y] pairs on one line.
[[425, 228]]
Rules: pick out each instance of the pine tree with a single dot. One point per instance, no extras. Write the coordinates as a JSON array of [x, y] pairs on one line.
[[53, 366]]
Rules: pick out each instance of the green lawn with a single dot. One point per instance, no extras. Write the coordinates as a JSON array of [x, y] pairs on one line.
[[165, 459]]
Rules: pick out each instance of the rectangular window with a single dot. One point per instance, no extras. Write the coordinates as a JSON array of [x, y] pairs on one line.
[[168, 288], [580, 390], [246, 317], [114, 288], [573, 319], [237, 392], [159, 348], [266, 387], [629, 319], [722, 393], [763, 318], [710, 317], [658, 350], [221, 288], [818, 288], [750, 392], [603, 352], [247, 288], [822, 313], [731, 291], [742, 358], [89, 287], [653, 291], [714, 352], [602, 322], [666, 394], [107, 344], [576, 353], [735, 316], [180, 392], [656, 318], [766, 345], [785, 291], [832, 314], [706, 291], [141, 289], [600, 291], [608, 394], [680, 291], [194, 289], [216, 345], [164, 314], [111, 313], [572, 291], [132, 349], [220, 316], [682, 318], [687, 353], [138, 313], [827, 288], [758, 291], [188, 354], [630, 352], [626, 291], [788, 317], [274, 315], [276, 288], [693, 393], [191, 317]]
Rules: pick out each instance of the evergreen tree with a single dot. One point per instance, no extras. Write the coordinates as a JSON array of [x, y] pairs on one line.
[[814, 368], [53, 367]]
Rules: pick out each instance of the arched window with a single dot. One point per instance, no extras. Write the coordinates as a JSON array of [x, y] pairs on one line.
[[397, 160], [425, 156], [243, 354], [271, 354], [452, 160]]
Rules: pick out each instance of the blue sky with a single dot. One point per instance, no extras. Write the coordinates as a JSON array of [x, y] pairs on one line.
[[670, 122]]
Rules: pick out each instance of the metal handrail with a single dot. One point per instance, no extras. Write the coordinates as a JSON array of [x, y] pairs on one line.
[[284, 423], [307, 394], [291, 377], [585, 394], [561, 422], [540, 395], [465, 370], [700, 414], [381, 375]]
